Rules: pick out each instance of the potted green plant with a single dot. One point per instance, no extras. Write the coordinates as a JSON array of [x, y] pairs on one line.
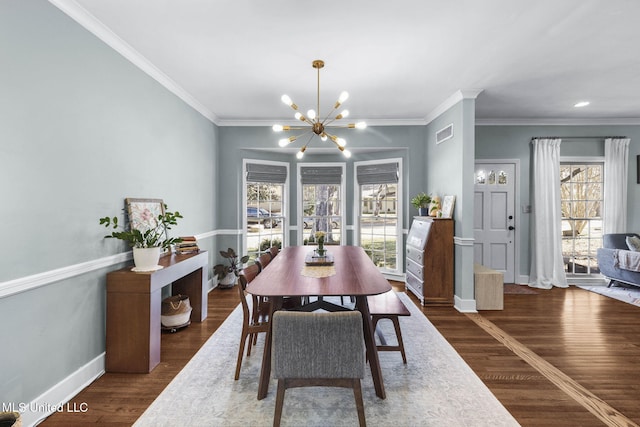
[[421, 202], [148, 239], [320, 239], [227, 274]]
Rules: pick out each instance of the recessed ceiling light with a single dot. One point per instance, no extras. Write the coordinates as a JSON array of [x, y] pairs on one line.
[[581, 104]]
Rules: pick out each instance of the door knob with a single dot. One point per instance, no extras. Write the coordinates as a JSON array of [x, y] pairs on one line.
[[511, 227]]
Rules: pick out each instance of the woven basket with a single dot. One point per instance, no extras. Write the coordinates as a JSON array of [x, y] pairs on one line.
[[176, 311]]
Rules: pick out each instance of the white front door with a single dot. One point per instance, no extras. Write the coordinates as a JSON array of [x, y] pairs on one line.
[[494, 217]]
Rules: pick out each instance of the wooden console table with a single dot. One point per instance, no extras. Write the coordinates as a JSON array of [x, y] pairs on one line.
[[133, 308]]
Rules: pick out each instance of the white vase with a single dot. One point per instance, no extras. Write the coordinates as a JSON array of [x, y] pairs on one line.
[[146, 259], [227, 281]]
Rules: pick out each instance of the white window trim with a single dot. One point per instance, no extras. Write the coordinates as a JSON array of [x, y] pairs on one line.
[[399, 271], [285, 201], [300, 210], [595, 277]]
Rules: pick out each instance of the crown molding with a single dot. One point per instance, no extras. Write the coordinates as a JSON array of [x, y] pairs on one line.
[[269, 123], [450, 102], [559, 122], [97, 28]]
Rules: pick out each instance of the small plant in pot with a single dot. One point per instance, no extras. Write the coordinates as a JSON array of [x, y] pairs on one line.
[[148, 239], [228, 273], [421, 202]]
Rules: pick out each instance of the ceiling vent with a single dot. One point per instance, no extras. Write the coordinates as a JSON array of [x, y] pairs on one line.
[[444, 134]]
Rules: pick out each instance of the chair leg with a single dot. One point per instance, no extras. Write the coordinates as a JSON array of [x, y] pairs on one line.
[[240, 354], [250, 344], [357, 394], [396, 325], [279, 402]]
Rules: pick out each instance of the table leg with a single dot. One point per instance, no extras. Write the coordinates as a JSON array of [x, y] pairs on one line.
[[265, 370], [362, 305]]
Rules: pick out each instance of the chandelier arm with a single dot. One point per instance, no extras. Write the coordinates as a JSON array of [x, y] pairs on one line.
[[336, 126], [324, 122], [308, 141], [304, 119], [332, 138], [296, 137], [304, 133]]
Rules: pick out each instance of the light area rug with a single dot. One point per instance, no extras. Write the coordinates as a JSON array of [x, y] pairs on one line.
[[435, 388], [625, 293]]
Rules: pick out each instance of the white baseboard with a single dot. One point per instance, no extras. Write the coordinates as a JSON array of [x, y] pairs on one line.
[[57, 397], [464, 305]]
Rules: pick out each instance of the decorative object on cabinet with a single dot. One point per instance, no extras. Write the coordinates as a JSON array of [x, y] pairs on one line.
[[188, 245], [227, 274], [435, 206], [429, 260], [421, 202], [448, 203], [147, 231]]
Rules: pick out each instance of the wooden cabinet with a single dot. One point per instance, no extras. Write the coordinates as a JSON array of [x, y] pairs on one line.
[[429, 265], [133, 308]]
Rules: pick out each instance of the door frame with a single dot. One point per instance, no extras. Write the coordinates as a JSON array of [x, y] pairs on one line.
[[518, 211]]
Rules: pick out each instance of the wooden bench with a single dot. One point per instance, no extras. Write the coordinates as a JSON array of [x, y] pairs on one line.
[[489, 288], [388, 306]]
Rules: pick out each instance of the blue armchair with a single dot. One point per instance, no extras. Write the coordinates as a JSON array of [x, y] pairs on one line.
[[608, 259]]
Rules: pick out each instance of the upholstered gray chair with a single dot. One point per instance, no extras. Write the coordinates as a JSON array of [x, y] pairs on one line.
[[318, 349]]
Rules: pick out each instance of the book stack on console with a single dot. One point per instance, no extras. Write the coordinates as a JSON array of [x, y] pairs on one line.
[[187, 246]]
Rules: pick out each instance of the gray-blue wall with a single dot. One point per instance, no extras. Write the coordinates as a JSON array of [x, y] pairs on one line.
[[514, 142], [81, 128]]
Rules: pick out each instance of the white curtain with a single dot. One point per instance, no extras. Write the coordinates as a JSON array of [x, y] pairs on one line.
[[616, 165], [547, 265]]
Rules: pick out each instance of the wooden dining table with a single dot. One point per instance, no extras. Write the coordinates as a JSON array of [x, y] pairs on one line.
[[351, 274]]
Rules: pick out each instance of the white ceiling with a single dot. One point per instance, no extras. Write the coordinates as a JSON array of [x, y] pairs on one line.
[[400, 60]]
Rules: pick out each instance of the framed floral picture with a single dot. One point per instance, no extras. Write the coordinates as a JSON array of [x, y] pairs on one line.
[[448, 203], [143, 213]]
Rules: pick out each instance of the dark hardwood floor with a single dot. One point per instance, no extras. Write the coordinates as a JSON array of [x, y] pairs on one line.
[[544, 347]]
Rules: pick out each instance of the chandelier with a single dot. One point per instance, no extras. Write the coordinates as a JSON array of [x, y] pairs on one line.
[[317, 125]]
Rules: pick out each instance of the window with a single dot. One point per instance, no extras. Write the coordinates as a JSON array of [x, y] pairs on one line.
[[581, 192], [322, 202], [379, 227], [265, 206]]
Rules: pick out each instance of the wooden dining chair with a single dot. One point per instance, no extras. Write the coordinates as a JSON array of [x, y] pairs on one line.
[[318, 349], [255, 319], [289, 303], [263, 260], [274, 250]]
